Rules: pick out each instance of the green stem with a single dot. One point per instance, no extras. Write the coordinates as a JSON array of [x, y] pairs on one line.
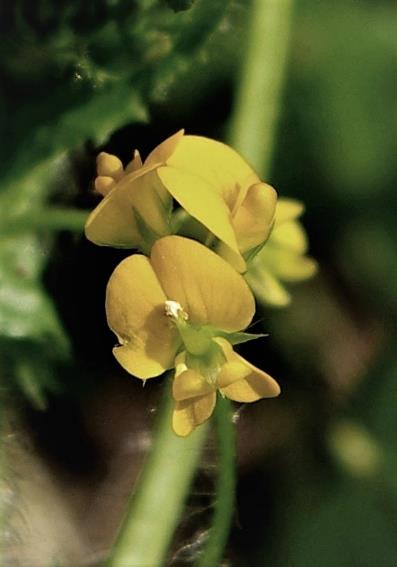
[[225, 486], [257, 104], [50, 218], [157, 503]]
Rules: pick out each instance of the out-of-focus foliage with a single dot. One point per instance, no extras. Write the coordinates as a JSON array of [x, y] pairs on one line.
[[89, 70], [343, 80], [342, 509], [337, 497], [31, 337]]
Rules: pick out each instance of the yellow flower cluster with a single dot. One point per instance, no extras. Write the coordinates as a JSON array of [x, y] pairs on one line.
[[185, 301]]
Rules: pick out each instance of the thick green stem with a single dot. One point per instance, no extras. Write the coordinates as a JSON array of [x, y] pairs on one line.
[[157, 502], [225, 486], [49, 218], [254, 121]]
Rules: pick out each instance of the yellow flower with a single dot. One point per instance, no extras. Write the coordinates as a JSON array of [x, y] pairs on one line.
[[216, 186], [183, 308], [283, 258], [210, 181], [136, 208]]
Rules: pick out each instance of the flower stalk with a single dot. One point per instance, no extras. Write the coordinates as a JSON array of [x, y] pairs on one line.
[[258, 99], [157, 502], [47, 219], [225, 486]]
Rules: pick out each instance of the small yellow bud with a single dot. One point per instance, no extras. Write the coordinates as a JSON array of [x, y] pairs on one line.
[[109, 165], [135, 163], [103, 184]]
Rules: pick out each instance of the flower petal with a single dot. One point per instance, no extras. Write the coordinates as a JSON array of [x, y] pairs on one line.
[[254, 218], [163, 151], [290, 235], [241, 381], [109, 165], [209, 290], [114, 222], [288, 209], [267, 289], [103, 184], [135, 163], [135, 313], [217, 164], [190, 384], [190, 413], [288, 266], [204, 204]]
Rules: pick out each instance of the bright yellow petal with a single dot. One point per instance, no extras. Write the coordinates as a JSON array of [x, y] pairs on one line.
[[254, 387], [111, 223], [114, 221], [163, 151], [190, 384], [135, 313], [217, 164], [253, 220], [199, 199], [152, 202], [208, 289], [188, 414], [241, 381], [288, 209]]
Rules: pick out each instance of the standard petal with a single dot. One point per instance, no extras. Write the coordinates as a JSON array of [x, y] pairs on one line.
[[241, 381], [199, 199], [135, 313], [209, 290], [152, 203], [163, 151], [114, 221], [190, 384], [190, 413], [217, 164]]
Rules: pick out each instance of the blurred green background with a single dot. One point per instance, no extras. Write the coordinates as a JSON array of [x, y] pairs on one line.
[[317, 467]]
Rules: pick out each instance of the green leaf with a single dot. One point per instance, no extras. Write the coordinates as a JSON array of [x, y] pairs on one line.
[[94, 118], [32, 339], [239, 338]]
